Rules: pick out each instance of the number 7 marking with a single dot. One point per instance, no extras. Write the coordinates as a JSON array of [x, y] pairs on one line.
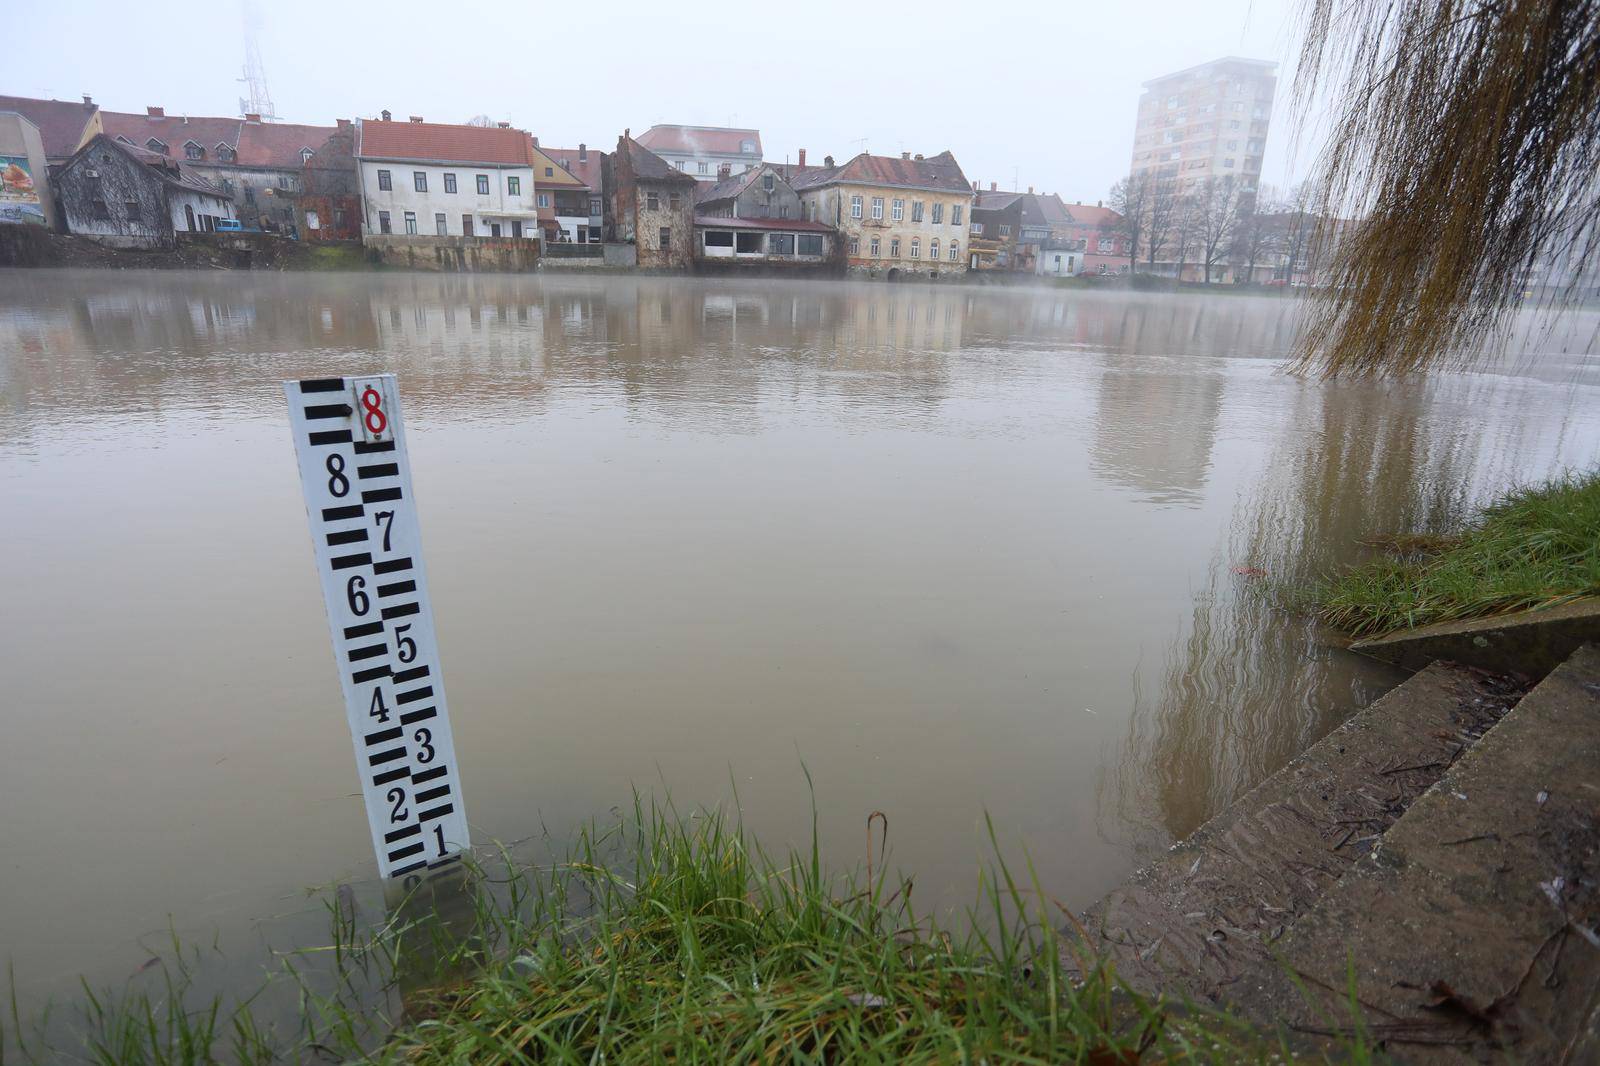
[[386, 520]]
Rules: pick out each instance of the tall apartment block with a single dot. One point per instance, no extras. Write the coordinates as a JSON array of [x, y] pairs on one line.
[[1207, 121]]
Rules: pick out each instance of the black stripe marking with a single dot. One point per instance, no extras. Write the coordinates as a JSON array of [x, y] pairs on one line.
[[399, 612], [334, 514], [391, 566], [344, 562], [414, 695], [349, 536], [380, 495], [381, 735], [361, 677], [408, 869], [363, 631], [428, 775], [378, 470], [329, 410], [321, 384], [387, 756], [412, 674], [331, 436], [436, 812], [369, 652], [412, 717], [397, 588], [365, 448], [432, 794], [391, 775], [401, 834], [409, 849]]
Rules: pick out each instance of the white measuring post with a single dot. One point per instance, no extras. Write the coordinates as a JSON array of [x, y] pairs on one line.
[[351, 444]]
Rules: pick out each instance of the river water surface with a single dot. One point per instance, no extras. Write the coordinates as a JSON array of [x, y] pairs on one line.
[[955, 550]]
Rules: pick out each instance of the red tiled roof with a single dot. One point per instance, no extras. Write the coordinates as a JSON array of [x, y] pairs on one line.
[[60, 122], [173, 130], [278, 144], [721, 139], [445, 143], [791, 225], [1093, 216], [940, 172], [587, 171]]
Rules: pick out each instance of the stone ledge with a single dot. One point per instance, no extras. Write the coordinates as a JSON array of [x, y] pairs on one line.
[[1531, 643]]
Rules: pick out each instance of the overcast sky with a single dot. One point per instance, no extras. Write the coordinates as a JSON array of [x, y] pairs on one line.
[[1039, 94]]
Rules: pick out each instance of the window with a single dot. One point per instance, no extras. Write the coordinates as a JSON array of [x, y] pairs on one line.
[[99, 209], [411, 222], [783, 210], [769, 182], [283, 181], [156, 146], [747, 146], [747, 244], [955, 251], [513, 186], [875, 246], [450, 183], [594, 206], [855, 245], [809, 244], [440, 225], [1005, 230], [674, 201], [877, 207], [897, 210], [1106, 244], [703, 168], [1172, 101], [542, 199], [483, 185], [894, 247], [780, 244], [549, 172], [938, 214], [955, 215], [666, 237], [916, 210], [678, 163], [977, 229], [419, 180], [1233, 125], [194, 151], [305, 156], [384, 181], [916, 247], [1227, 163], [933, 248], [225, 153], [466, 225], [1233, 146], [855, 207], [383, 222]]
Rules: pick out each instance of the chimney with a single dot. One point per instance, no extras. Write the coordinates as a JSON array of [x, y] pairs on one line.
[[507, 125], [724, 171], [1030, 190], [386, 115], [155, 112], [802, 157], [249, 116], [991, 186], [919, 157], [342, 123], [583, 152], [905, 155], [827, 160], [1099, 203], [416, 118], [88, 101], [974, 186]]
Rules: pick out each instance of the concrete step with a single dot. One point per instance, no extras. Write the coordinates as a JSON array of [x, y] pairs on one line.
[[1470, 932], [1209, 910]]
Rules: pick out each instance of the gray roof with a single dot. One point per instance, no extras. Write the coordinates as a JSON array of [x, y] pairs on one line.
[[648, 166]]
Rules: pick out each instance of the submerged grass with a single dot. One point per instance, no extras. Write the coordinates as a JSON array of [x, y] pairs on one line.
[[1537, 547], [678, 939]]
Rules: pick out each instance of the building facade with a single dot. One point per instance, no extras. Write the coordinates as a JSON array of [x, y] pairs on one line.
[[702, 151], [1207, 121], [898, 217], [562, 201], [435, 179], [131, 197], [650, 204], [328, 205], [584, 164], [1097, 229]]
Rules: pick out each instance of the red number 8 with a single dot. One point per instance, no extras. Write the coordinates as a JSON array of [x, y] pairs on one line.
[[371, 402]]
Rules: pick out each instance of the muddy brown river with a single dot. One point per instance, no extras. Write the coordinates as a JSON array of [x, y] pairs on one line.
[[955, 550]]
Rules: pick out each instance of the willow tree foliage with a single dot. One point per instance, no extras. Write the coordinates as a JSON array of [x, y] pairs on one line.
[[1466, 147]]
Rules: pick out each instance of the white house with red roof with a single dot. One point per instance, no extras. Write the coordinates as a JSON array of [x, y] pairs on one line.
[[702, 151], [446, 180]]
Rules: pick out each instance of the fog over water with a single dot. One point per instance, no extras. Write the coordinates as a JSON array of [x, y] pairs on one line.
[[956, 549]]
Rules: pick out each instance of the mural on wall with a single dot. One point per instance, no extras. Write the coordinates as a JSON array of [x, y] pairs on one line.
[[19, 196]]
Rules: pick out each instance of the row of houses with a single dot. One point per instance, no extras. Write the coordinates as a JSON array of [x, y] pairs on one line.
[[675, 198]]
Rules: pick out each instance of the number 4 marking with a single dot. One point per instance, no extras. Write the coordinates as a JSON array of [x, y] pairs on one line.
[[378, 710]]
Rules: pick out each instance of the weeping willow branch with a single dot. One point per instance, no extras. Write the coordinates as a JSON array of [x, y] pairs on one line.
[[1466, 148]]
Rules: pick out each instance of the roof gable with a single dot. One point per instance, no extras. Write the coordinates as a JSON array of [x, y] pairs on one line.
[[61, 122], [167, 169], [647, 166]]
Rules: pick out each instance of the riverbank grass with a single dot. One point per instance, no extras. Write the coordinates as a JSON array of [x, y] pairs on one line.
[[1536, 547]]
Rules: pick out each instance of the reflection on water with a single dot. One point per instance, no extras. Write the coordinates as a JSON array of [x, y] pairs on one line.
[[958, 550]]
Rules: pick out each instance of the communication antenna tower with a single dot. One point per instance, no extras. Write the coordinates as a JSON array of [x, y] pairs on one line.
[[259, 102]]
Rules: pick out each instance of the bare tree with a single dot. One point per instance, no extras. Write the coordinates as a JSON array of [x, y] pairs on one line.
[[1163, 214], [1260, 231], [1185, 228], [1218, 203], [1130, 198]]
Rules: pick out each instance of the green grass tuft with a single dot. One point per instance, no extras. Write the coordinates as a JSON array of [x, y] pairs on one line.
[[1537, 547]]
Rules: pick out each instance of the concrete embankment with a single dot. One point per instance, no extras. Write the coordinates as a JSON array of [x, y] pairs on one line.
[[1438, 855]]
